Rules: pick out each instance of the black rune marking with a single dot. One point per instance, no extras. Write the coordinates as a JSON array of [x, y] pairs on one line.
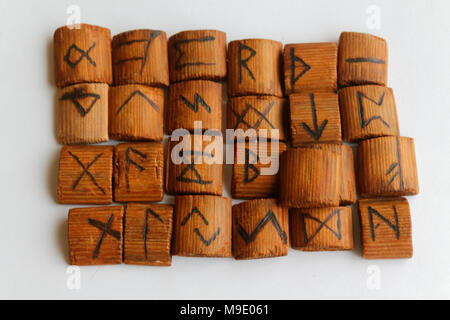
[[129, 161], [196, 211], [80, 94], [262, 116], [143, 58], [138, 92], [106, 230], [363, 121], [317, 132], [360, 59], [194, 106], [394, 227], [149, 212], [191, 168], [242, 63], [250, 166], [176, 46], [269, 217], [86, 171], [305, 69], [322, 224], [398, 165], [83, 54]]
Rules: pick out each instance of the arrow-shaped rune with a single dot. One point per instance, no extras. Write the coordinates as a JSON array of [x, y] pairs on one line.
[[317, 132], [294, 59]]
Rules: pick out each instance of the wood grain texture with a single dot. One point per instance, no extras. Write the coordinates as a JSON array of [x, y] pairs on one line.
[[255, 67], [310, 67], [85, 175], [198, 54], [363, 59], [261, 113], [247, 182], [82, 55], [140, 57], [197, 100], [147, 234], [202, 226], [194, 177], [310, 178], [314, 118], [83, 113], [138, 172], [387, 167], [368, 111], [385, 228], [95, 235], [322, 229], [260, 229], [136, 113]]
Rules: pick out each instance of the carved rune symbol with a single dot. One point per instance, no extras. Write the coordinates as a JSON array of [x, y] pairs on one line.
[[105, 228], [176, 46], [196, 211], [149, 212], [242, 63], [373, 227], [294, 59], [129, 161], [317, 132], [322, 224], [83, 54], [362, 59], [396, 165], [86, 171], [194, 106], [143, 58], [262, 116], [250, 166], [79, 94], [363, 121], [269, 217], [190, 167], [134, 93]]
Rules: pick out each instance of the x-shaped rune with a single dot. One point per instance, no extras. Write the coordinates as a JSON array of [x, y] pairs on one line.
[[262, 116], [84, 54], [106, 229], [86, 171], [322, 224]]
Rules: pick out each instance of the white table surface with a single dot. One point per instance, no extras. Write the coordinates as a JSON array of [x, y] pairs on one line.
[[33, 239]]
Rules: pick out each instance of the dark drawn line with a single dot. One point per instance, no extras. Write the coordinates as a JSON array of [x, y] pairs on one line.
[[197, 99], [397, 165], [243, 62], [392, 167], [196, 211], [362, 59], [322, 224], [138, 92], [364, 123], [129, 161], [145, 230], [176, 45], [86, 171], [77, 94], [394, 227], [269, 217], [106, 229], [191, 167], [202, 239], [250, 166], [317, 132], [84, 54], [306, 68], [262, 116]]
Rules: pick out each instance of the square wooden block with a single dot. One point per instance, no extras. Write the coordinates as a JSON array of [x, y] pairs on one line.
[[385, 228], [139, 172], [95, 235], [367, 112], [310, 67], [247, 180], [314, 118], [85, 174], [148, 231]]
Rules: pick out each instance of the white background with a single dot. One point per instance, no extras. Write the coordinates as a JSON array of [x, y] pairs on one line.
[[33, 240]]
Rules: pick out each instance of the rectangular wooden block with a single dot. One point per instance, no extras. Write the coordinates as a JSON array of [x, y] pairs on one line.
[[314, 118], [310, 67], [95, 235], [247, 181], [138, 172], [85, 174], [385, 228], [148, 231]]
